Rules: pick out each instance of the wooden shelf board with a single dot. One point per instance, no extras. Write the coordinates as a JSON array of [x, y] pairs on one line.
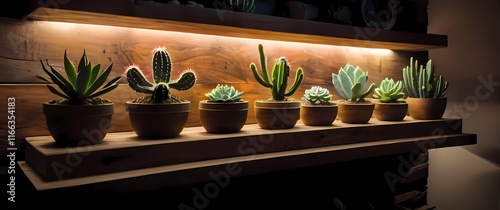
[[159, 16], [197, 171]]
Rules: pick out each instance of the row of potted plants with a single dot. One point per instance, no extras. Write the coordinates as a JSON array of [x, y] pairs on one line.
[[81, 117]]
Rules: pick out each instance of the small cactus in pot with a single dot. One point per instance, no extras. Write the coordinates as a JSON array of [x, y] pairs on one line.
[[318, 109], [159, 105]]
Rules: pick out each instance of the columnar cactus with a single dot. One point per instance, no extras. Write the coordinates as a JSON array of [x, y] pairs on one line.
[[279, 80], [350, 83], [422, 83], [160, 87]]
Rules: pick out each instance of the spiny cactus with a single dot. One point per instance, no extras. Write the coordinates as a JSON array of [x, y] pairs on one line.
[[389, 91], [224, 93], [82, 83], [160, 87], [422, 83], [350, 83], [317, 95], [279, 79]]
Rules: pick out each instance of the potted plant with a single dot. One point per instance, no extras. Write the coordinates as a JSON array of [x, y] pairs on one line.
[[280, 111], [159, 114], [224, 111], [349, 84], [426, 91], [318, 109], [390, 105], [81, 117]]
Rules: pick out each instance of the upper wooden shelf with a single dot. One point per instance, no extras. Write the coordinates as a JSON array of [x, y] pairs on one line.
[[159, 16]]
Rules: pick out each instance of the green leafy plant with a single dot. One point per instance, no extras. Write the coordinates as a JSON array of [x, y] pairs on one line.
[[159, 88], [422, 82], [82, 84], [224, 93], [389, 91], [350, 83], [279, 76], [317, 95]]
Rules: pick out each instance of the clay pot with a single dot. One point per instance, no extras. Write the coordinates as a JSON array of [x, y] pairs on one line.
[[223, 117], [355, 113], [78, 125], [426, 108], [318, 115], [390, 111], [158, 121], [276, 114]]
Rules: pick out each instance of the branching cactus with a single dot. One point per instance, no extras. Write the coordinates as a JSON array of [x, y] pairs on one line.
[[421, 82], [389, 91], [160, 87], [350, 83], [279, 76]]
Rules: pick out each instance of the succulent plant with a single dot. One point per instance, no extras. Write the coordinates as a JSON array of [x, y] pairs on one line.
[[224, 93], [317, 95], [422, 82], [82, 83], [389, 91], [160, 87], [350, 83], [279, 76]]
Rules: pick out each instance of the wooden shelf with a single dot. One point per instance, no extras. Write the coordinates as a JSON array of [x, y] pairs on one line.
[[124, 159], [159, 16]]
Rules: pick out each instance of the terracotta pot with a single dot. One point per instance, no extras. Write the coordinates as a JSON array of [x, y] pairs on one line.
[[223, 117], [158, 121], [390, 111], [318, 115], [78, 125], [276, 114], [426, 108], [355, 113]]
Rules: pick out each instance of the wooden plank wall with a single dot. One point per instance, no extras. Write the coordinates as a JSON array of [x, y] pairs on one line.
[[215, 59]]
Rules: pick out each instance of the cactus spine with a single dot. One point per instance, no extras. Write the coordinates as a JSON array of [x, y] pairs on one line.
[[160, 87], [279, 80], [421, 82]]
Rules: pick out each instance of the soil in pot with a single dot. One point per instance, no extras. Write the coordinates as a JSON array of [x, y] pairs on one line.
[[272, 114], [78, 125], [223, 117], [318, 115], [355, 112], [395, 111], [158, 120], [426, 108]]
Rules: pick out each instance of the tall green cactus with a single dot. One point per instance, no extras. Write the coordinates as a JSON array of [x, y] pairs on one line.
[[350, 83], [160, 87], [278, 82], [421, 82]]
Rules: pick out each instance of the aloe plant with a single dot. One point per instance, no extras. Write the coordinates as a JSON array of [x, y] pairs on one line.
[[279, 76], [350, 83], [317, 95], [422, 82], [159, 88], [389, 91], [224, 93], [83, 83]]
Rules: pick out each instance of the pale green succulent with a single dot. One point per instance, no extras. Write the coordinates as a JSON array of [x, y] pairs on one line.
[[350, 83], [224, 93], [421, 82], [317, 95], [389, 91]]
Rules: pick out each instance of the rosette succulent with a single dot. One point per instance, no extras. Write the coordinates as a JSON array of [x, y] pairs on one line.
[[224, 93], [159, 88], [317, 95], [389, 91], [350, 83]]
